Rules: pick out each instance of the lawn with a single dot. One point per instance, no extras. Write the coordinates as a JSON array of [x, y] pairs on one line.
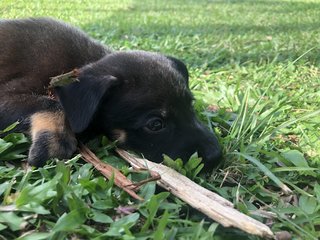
[[255, 74]]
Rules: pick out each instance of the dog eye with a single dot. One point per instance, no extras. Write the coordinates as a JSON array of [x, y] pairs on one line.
[[155, 124]]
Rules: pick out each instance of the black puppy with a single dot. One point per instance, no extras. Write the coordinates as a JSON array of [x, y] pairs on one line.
[[139, 98]]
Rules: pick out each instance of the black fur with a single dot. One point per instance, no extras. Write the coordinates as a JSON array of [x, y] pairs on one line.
[[88, 94], [39, 151], [143, 95]]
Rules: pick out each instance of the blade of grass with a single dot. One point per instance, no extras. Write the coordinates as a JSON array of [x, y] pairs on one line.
[[265, 170], [290, 122]]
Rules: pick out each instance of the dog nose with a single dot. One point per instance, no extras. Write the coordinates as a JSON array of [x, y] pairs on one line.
[[211, 156], [208, 147]]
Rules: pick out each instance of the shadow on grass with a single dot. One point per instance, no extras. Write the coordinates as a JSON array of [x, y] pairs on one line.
[[284, 35]]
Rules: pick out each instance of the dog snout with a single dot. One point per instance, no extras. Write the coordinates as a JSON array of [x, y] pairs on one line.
[[208, 147], [211, 155]]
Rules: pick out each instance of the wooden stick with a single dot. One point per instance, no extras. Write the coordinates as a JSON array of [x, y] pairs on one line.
[[64, 79], [207, 202], [109, 172]]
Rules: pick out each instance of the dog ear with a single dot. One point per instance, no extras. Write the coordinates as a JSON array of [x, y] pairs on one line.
[[81, 99], [180, 67]]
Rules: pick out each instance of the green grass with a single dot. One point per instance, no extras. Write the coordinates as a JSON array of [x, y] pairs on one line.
[[255, 61]]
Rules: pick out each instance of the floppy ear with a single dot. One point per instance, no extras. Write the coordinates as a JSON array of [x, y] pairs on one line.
[[180, 67], [81, 99]]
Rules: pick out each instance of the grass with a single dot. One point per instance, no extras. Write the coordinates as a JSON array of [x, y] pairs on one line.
[[254, 62]]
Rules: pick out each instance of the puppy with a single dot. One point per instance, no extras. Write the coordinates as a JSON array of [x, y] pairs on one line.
[[141, 99]]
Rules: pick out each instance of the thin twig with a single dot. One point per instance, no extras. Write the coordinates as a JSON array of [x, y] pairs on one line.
[[109, 172], [64, 79], [209, 203]]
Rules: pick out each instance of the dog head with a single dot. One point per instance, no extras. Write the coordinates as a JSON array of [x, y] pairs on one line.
[[143, 101]]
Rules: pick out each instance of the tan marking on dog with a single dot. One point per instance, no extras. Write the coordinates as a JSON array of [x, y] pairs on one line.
[[120, 135], [47, 121], [55, 123]]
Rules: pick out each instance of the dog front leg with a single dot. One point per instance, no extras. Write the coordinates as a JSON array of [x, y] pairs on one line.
[[51, 137], [43, 119]]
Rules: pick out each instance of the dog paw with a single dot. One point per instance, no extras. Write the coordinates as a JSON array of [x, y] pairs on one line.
[[46, 145]]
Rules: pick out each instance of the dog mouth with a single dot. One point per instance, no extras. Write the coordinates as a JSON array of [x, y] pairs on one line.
[[200, 140], [119, 135]]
